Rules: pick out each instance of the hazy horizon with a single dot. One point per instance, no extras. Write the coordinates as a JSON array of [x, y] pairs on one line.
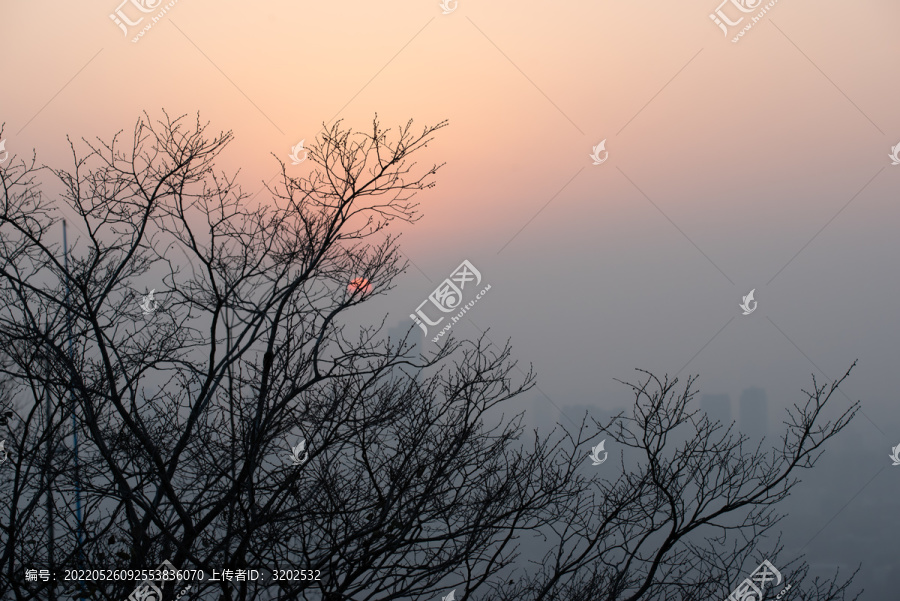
[[760, 165]]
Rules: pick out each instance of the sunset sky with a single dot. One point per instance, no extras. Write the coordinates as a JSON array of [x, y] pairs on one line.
[[761, 164]]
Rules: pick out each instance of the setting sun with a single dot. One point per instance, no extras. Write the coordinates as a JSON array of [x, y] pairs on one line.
[[359, 285]]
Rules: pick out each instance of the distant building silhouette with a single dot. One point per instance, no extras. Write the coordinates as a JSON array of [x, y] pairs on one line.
[[398, 332], [754, 412], [415, 339], [717, 407]]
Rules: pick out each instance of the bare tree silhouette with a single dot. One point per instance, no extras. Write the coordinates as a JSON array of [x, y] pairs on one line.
[[409, 484]]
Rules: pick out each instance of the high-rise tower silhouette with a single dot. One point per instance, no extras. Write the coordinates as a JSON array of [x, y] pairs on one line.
[[415, 340]]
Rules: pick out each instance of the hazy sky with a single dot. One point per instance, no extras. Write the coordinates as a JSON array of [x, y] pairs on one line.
[[761, 164]]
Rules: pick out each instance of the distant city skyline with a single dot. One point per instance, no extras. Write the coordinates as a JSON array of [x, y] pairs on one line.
[[399, 332], [415, 339]]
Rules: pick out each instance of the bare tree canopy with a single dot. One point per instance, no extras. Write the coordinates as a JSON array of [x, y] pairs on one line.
[[235, 420]]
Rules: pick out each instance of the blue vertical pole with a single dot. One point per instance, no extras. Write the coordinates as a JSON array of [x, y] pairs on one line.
[[74, 422]]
